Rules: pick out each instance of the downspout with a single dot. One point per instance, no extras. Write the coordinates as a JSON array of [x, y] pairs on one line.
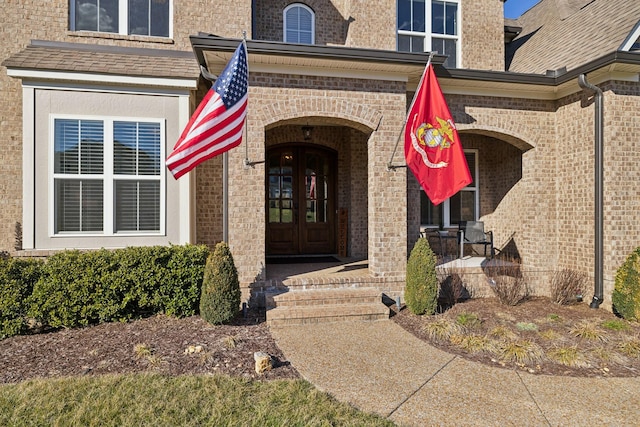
[[599, 126]]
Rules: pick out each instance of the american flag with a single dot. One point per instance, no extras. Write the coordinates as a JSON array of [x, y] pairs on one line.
[[216, 126]]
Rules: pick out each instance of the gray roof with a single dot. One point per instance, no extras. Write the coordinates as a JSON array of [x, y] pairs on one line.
[[570, 33], [98, 59]]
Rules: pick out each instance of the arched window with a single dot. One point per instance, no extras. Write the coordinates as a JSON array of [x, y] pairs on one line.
[[299, 24]]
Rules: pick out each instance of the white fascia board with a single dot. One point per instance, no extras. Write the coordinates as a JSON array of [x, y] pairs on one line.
[[631, 38], [93, 87], [102, 78], [327, 72]]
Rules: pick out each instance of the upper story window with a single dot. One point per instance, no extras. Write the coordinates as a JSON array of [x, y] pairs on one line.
[[425, 26], [127, 17], [299, 24]]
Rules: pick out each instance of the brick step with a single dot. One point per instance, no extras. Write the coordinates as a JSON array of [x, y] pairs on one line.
[[349, 296], [300, 315]]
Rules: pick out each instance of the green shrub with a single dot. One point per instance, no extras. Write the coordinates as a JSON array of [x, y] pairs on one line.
[[82, 288], [626, 293], [220, 298], [421, 292], [17, 278]]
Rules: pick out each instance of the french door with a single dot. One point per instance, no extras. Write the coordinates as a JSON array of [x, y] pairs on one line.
[[300, 200]]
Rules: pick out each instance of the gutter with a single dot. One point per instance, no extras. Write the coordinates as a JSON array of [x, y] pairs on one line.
[[599, 127], [205, 42]]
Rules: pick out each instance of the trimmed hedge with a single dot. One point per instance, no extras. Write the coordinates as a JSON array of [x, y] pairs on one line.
[[421, 292], [17, 278], [82, 288]]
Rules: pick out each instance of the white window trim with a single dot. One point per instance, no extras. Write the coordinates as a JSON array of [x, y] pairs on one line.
[[123, 19], [284, 21], [446, 206], [428, 35], [107, 177]]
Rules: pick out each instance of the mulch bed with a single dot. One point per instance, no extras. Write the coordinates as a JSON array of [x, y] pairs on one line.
[[539, 311], [110, 348]]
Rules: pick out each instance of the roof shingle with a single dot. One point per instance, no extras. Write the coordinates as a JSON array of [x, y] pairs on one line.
[[589, 30], [75, 57]]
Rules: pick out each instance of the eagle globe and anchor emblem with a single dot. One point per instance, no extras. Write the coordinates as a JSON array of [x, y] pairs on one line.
[[432, 136]]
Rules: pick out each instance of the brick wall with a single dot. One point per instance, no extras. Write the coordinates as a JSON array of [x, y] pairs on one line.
[[621, 175], [483, 34], [620, 185], [368, 24], [514, 132]]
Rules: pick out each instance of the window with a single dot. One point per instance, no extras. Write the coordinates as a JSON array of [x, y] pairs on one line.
[[107, 176], [424, 27], [139, 17], [299, 24], [462, 206]]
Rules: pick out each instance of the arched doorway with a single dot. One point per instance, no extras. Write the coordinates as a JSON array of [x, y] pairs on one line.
[[300, 200]]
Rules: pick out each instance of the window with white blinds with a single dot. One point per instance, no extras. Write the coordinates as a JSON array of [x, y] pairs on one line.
[[299, 24], [108, 176]]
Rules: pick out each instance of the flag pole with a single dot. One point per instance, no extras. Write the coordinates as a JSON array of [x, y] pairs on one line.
[[389, 165], [225, 165], [246, 161]]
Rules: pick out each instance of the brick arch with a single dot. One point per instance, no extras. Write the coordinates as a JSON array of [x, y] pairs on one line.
[[326, 110], [517, 138]]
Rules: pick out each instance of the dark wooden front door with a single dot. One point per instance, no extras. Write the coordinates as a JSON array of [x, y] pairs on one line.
[[300, 202]]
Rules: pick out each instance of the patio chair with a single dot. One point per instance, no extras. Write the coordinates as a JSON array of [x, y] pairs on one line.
[[472, 233]]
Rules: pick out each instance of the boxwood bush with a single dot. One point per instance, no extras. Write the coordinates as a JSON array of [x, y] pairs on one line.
[[220, 298], [17, 278], [82, 288], [421, 292], [626, 293]]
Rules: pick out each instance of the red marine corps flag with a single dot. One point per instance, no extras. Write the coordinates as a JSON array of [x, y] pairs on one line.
[[431, 143], [216, 126]]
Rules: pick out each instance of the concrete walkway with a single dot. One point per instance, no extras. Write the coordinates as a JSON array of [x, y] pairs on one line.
[[379, 367]]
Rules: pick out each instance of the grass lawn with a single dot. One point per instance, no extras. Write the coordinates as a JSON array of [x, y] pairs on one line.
[[156, 400]]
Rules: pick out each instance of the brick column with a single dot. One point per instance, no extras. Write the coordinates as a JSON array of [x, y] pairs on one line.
[[387, 195], [246, 205]]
